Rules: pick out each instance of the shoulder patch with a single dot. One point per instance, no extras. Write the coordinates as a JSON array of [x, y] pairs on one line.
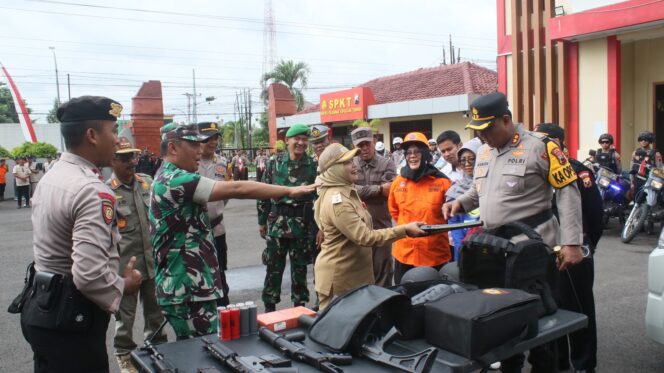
[[107, 207], [336, 198], [585, 178], [561, 172]]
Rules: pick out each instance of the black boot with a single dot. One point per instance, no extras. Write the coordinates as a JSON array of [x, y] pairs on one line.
[[270, 307]]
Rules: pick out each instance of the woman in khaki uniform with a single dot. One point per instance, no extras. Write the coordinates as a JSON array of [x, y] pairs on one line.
[[345, 260]]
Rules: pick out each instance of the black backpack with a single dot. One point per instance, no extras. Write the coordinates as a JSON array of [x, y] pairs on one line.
[[490, 260]]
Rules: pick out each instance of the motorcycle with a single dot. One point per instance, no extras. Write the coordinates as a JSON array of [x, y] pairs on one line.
[[613, 190], [648, 206]]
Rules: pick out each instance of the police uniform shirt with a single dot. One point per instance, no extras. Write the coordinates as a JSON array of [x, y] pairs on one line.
[[133, 202], [516, 181], [73, 216], [215, 169]]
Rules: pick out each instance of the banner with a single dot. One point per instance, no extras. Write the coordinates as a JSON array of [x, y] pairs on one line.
[[23, 117]]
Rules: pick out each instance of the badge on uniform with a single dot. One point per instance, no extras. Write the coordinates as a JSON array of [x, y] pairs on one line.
[[107, 206], [585, 177], [336, 198]]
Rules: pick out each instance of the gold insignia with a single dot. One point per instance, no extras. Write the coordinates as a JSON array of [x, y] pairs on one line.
[[518, 153], [122, 223], [213, 125], [116, 109], [315, 132], [515, 138]]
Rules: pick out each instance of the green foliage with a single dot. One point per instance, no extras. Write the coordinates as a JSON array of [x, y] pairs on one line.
[[4, 153], [290, 74], [280, 145], [39, 150], [7, 111], [373, 124], [52, 114]]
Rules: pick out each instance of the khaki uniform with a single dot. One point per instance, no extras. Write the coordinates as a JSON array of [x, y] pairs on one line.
[[518, 180], [133, 202], [73, 217], [345, 259], [372, 175]]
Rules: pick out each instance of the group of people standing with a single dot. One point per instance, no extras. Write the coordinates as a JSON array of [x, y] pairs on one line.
[[161, 240]]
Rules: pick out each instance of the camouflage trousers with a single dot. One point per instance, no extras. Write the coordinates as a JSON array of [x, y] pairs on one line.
[[192, 319], [274, 257]]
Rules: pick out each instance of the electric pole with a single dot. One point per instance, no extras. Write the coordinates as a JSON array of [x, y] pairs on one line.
[[193, 72]]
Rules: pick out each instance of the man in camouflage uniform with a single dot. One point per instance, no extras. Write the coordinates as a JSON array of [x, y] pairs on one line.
[[132, 191], [188, 283], [284, 223]]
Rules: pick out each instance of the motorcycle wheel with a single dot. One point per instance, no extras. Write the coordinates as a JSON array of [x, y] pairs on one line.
[[634, 222]]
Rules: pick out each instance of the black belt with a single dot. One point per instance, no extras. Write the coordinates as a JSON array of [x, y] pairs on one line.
[[532, 221]]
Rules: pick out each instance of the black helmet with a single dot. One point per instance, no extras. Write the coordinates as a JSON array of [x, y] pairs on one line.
[[647, 136], [606, 136], [418, 274]]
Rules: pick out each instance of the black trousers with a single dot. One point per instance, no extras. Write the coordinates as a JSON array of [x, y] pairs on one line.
[[222, 256], [56, 351], [579, 347], [2, 191], [22, 192], [400, 269]]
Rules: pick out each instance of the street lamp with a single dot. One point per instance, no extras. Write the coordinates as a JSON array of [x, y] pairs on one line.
[[183, 113], [57, 86]]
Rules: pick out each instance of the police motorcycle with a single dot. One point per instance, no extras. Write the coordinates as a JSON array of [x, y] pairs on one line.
[[648, 206], [613, 190]]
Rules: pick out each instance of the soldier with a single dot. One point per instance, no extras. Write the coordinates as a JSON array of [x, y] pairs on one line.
[[187, 269], [214, 167], [318, 140], [75, 243], [515, 174], [284, 222], [132, 192], [373, 186]]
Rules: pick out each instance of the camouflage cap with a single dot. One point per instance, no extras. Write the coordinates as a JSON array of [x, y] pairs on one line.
[[189, 132], [317, 133], [335, 153]]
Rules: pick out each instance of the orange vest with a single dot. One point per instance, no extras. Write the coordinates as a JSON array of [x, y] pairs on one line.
[[411, 201], [3, 174]]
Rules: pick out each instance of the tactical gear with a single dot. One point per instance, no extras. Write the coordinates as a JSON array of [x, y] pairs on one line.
[[489, 259], [647, 136], [606, 137], [645, 157], [607, 159]]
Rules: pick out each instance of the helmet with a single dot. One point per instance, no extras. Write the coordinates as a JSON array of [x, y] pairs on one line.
[[415, 138], [432, 141], [397, 140], [606, 136], [647, 136], [418, 274], [380, 146]]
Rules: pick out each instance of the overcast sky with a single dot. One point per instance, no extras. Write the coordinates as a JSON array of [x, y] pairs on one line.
[[110, 47]]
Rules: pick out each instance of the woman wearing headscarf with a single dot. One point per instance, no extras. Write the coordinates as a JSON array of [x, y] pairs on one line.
[[466, 157], [345, 260], [418, 194]]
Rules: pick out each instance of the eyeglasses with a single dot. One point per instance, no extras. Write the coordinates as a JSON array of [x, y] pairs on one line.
[[469, 160], [605, 142], [414, 152]]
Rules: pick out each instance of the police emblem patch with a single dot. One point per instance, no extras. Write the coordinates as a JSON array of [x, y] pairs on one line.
[[515, 139], [116, 109], [107, 203], [585, 177], [315, 132], [559, 154]]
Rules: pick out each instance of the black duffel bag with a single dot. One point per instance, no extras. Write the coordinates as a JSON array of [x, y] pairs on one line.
[[481, 324], [490, 260]]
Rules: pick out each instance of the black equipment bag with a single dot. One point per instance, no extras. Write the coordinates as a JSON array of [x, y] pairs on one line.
[[482, 324], [490, 260], [54, 303], [344, 323]]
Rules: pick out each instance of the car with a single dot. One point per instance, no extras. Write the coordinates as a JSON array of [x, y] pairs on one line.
[[655, 305]]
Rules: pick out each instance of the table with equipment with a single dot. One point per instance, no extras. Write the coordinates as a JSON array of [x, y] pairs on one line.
[[190, 356]]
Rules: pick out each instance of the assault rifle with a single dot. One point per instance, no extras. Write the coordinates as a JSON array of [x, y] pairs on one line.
[[373, 348], [325, 362], [161, 364], [247, 364]]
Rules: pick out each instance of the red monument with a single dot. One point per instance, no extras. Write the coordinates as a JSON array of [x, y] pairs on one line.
[[147, 115]]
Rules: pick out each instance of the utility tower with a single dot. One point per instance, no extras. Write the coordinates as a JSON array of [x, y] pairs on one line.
[[269, 39]]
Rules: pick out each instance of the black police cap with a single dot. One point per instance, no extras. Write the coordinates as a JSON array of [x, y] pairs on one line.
[[552, 130], [208, 129], [89, 108], [486, 108]]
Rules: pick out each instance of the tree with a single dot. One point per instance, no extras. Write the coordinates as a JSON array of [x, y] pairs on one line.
[[261, 135], [4, 153], [290, 74], [39, 150], [52, 116], [7, 111], [373, 124]]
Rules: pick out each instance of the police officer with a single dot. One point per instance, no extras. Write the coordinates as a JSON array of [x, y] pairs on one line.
[[76, 239], [132, 193], [397, 154], [576, 286], [515, 174], [187, 275], [215, 167], [643, 159], [284, 222], [318, 140], [606, 155]]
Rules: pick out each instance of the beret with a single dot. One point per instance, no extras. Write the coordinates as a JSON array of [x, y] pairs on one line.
[[89, 108]]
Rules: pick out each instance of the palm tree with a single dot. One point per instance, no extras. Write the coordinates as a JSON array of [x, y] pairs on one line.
[[288, 73]]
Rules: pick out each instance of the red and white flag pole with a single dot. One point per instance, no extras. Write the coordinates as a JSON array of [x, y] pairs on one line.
[[23, 117]]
